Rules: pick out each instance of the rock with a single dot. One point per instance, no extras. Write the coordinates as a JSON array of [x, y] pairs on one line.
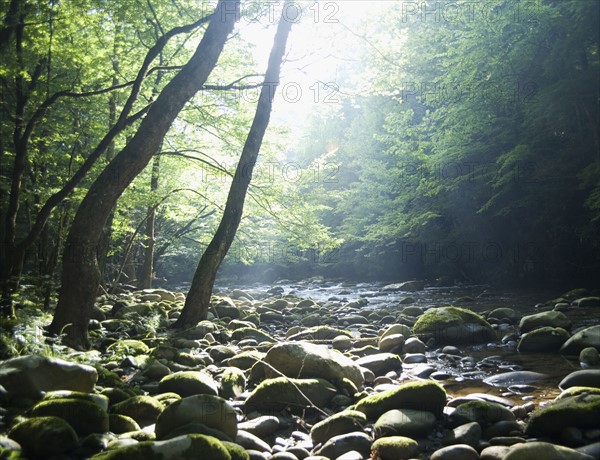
[[251, 441], [453, 325], [544, 450], [393, 329], [544, 319], [455, 452], [318, 333], [220, 353], [543, 340], [236, 452], [29, 376], [483, 412], [101, 401], [244, 360], [415, 358], [198, 331], [505, 314], [588, 337], [343, 422], [260, 426], [187, 446], [298, 359], [341, 343], [587, 302], [339, 445], [583, 378], [589, 357], [156, 370], [189, 383], [278, 393], [391, 342], [394, 448], [579, 410], [118, 424], [212, 411], [251, 333], [404, 422], [381, 363], [143, 409], [469, 433], [84, 416], [129, 347], [233, 382], [44, 436], [414, 345], [409, 286], [424, 396], [494, 452], [515, 378]]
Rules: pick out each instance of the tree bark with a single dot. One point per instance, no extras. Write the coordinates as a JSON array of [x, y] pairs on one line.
[[147, 265], [80, 274], [198, 299]]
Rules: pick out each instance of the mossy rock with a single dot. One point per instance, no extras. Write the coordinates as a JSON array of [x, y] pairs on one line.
[[198, 331], [588, 337], [278, 393], [485, 413], [187, 447], [119, 424], [129, 347], [543, 340], [319, 333], [343, 422], [100, 400], [505, 313], [454, 325], [84, 416], [236, 451], [143, 409], [209, 410], [544, 319], [394, 448], [580, 411], [189, 383], [251, 333], [425, 396], [233, 383], [44, 436], [404, 422], [544, 450]]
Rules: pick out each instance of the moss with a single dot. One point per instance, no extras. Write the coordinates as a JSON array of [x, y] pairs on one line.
[[188, 383], [251, 333], [129, 347], [236, 451], [44, 436], [394, 447], [84, 416], [233, 382], [454, 325], [574, 391], [143, 409], [580, 411]]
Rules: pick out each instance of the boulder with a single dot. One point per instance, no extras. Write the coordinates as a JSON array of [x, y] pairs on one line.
[[44, 437], [394, 448], [143, 409], [408, 286], [343, 422], [544, 450], [189, 383], [339, 445], [587, 302], [29, 376], [233, 382], [507, 379], [84, 416], [381, 363], [453, 325], [544, 319], [318, 333], [483, 412], [543, 340], [424, 396], [588, 337], [589, 358], [583, 378], [404, 422], [455, 452]]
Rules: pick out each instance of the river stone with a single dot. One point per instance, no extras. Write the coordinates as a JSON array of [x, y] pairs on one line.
[[244, 360], [587, 302], [84, 416], [589, 357], [453, 325], [494, 452], [198, 331], [188, 383], [424, 396], [456, 452], [118, 424], [483, 412], [391, 342], [29, 376], [544, 450], [543, 340], [581, 411], [343, 422], [381, 363], [318, 333], [251, 442], [143, 409], [515, 378], [233, 382], [544, 319], [44, 436], [397, 329], [588, 337], [235, 451], [275, 394], [129, 347], [394, 448], [414, 345], [212, 411], [251, 333], [583, 378], [299, 359], [404, 422], [469, 433], [410, 286], [260, 426], [339, 445], [101, 401], [505, 313], [182, 447]]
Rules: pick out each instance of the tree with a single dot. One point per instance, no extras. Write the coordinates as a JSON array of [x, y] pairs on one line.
[[198, 298], [80, 275]]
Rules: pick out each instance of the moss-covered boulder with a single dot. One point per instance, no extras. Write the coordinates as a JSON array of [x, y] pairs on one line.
[[129, 347], [543, 340], [244, 360], [209, 410], [233, 383], [544, 319], [29, 376], [485, 413], [236, 451], [343, 422], [84, 416], [251, 333], [198, 331], [189, 383], [318, 333], [273, 395], [180, 448], [424, 396], [580, 411], [453, 325], [42, 437], [394, 448], [588, 337], [143, 409], [303, 360], [118, 424], [100, 400]]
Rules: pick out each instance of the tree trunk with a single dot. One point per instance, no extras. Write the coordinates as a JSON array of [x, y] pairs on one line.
[[80, 274], [198, 299], [148, 266]]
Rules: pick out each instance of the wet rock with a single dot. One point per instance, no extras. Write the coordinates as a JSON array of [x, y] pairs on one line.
[[339, 445], [469, 433], [515, 378], [455, 452], [587, 302], [483, 412], [278, 393], [543, 340], [343, 422], [453, 325], [84, 416], [544, 450], [410, 286], [588, 337], [298, 359], [188, 383], [424, 396], [394, 448], [44, 436], [143, 409], [404, 422], [212, 411], [505, 314], [380, 363], [544, 319], [589, 358], [29, 376], [414, 358], [583, 378]]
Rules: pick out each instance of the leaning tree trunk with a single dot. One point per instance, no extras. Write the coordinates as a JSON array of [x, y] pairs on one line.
[[198, 299], [80, 274]]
